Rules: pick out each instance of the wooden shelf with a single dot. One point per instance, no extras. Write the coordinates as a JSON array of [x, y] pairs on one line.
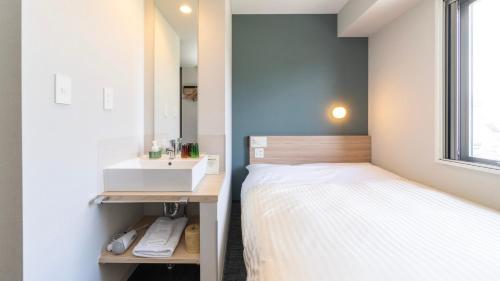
[[180, 256], [206, 192]]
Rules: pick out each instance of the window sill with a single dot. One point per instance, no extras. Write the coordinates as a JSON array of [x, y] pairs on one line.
[[471, 166]]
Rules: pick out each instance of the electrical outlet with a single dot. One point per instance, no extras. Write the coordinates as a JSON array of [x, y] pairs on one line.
[[259, 153], [258, 141]]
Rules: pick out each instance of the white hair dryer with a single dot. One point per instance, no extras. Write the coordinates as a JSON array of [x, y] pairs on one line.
[[120, 244]]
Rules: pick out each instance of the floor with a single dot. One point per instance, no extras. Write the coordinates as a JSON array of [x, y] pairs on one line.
[[234, 268]]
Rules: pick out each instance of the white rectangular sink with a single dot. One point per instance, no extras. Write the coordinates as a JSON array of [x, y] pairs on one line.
[[143, 174]]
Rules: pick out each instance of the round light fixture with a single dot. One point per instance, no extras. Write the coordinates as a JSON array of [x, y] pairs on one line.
[[185, 9], [339, 112]]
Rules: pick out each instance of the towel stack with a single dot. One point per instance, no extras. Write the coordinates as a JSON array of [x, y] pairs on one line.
[[161, 238]]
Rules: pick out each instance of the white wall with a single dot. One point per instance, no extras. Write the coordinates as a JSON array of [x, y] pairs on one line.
[[189, 107], [149, 72], [212, 77], [10, 141], [224, 209], [167, 80], [98, 44], [214, 106], [402, 93]]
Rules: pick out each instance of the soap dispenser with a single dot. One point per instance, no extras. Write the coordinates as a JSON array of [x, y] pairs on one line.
[[155, 152]]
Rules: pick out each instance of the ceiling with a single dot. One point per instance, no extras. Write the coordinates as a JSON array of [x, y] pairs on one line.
[[186, 27], [287, 6], [362, 21]]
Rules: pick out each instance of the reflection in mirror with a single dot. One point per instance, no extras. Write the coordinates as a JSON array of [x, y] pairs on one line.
[[175, 70]]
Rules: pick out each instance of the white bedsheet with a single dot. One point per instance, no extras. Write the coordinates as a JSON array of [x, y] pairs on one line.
[[357, 222]]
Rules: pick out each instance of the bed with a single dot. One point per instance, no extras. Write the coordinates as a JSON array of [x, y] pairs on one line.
[[303, 220]]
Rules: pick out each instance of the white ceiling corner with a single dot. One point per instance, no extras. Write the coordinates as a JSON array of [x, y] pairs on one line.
[[362, 18], [287, 6]]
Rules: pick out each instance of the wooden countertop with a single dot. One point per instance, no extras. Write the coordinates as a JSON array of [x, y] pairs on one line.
[[206, 192]]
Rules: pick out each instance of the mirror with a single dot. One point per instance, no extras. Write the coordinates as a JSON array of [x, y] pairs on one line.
[[175, 70]]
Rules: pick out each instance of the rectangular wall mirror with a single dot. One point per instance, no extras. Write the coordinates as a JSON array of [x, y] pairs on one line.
[[173, 52]]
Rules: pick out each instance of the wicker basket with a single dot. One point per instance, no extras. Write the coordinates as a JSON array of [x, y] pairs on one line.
[[192, 236]]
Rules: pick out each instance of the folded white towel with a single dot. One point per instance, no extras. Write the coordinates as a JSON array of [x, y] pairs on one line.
[[175, 237], [161, 238]]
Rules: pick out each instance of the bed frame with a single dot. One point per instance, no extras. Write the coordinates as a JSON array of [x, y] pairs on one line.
[[312, 149]]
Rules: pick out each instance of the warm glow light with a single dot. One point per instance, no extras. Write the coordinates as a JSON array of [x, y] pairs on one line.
[[339, 112], [185, 9]]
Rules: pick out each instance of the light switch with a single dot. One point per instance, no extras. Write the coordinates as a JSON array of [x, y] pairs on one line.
[[259, 153], [108, 98], [62, 89], [258, 141]]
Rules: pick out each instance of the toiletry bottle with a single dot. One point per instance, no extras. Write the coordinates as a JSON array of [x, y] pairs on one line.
[[155, 152], [185, 151], [155, 147], [194, 151]]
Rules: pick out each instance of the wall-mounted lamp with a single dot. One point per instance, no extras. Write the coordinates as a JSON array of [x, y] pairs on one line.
[[339, 112], [185, 9]]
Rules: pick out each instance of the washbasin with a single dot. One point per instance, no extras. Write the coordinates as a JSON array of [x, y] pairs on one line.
[[143, 174]]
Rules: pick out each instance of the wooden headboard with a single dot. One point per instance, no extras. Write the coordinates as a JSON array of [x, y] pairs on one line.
[[312, 149]]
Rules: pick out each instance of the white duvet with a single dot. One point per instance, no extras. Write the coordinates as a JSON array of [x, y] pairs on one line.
[[357, 222]]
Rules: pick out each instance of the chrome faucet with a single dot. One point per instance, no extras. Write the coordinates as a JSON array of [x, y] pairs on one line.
[[170, 153], [176, 145]]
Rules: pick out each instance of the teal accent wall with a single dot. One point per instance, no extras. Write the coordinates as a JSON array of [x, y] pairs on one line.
[[287, 71]]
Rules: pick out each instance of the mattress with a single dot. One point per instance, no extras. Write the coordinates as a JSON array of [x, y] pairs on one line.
[[357, 222]]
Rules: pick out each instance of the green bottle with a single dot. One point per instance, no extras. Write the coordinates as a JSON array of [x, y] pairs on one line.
[[195, 150]]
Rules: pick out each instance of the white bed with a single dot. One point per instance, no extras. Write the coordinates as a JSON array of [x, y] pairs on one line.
[[357, 222]]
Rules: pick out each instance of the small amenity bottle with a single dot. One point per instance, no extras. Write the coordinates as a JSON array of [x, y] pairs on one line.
[[195, 150], [185, 151], [155, 152]]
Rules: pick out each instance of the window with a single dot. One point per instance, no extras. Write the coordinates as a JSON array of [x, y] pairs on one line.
[[472, 101]]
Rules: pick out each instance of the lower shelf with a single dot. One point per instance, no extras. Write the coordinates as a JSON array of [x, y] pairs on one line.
[[180, 256]]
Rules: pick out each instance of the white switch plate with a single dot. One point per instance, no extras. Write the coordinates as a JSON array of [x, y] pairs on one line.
[[62, 89], [108, 98], [258, 141], [259, 152]]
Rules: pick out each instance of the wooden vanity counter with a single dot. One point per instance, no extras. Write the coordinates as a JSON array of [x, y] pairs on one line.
[[206, 192]]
